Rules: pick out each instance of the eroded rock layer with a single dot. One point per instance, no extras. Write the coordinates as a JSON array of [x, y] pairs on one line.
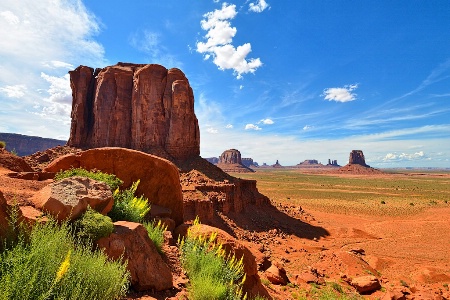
[[143, 107]]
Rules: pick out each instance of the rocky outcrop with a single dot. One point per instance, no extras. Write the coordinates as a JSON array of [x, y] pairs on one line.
[[130, 242], [230, 161], [248, 162], [277, 165], [137, 106], [13, 162], [69, 198], [213, 160], [357, 165], [26, 145], [159, 178], [357, 158]]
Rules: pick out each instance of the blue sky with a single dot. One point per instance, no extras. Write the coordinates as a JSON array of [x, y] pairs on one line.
[[286, 80]]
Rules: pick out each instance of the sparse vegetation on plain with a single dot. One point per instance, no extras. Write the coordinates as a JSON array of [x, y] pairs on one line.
[[389, 194]]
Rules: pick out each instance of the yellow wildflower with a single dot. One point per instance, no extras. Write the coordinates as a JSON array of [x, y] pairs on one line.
[[64, 267]]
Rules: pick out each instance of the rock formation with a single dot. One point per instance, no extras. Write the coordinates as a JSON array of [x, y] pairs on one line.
[[213, 160], [137, 106], [357, 158], [357, 165], [277, 165], [159, 178], [248, 162], [231, 161]]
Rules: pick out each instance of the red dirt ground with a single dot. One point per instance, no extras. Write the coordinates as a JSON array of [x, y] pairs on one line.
[[410, 253]]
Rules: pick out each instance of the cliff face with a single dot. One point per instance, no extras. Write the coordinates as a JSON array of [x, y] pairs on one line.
[[142, 107], [357, 158], [26, 145]]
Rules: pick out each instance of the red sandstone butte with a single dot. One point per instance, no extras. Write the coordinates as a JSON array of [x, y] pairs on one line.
[[145, 107]]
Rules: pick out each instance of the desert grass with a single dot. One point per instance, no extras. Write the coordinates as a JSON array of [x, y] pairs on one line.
[[211, 274], [155, 232], [51, 264], [391, 194]]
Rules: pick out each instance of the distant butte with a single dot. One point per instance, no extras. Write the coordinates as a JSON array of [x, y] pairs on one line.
[[231, 161], [357, 165]]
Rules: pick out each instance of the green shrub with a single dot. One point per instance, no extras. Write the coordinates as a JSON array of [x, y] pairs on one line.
[[53, 266], [110, 179], [211, 274], [156, 233], [128, 207], [92, 225], [2, 145]]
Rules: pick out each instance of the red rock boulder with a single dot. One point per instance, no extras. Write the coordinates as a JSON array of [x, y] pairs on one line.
[[70, 197], [366, 284], [159, 178], [130, 242], [13, 162]]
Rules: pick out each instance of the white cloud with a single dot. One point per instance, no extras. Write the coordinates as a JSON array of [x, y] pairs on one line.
[[229, 126], [307, 127], [46, 38], [252, 127], [59, 90], [267, 121], [10, 17], [259, 6], [241, 87], [14, 91], [404, 156], [212, 130], [343, 94], [219, 37]]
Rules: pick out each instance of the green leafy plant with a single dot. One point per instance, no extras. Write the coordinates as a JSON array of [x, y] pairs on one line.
[[110, 179], [52, 265], [128, 207], [92, 225], [2, 145], [156, 233], [212, 275]]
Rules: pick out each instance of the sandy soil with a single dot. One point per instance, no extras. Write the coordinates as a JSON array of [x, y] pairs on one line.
[[411, 252]]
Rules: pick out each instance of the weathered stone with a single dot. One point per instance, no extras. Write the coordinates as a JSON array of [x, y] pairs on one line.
[[159, 178], [70, 197], [131, 243], [138, 106], [366, 284], [357, 158], [13, 162], [276, 274], [3, 216]]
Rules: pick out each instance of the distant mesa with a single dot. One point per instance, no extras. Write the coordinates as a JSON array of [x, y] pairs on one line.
[[314, 163], [26, 145], [231, 161], [213, 160], [248, 162], [357, 165]]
